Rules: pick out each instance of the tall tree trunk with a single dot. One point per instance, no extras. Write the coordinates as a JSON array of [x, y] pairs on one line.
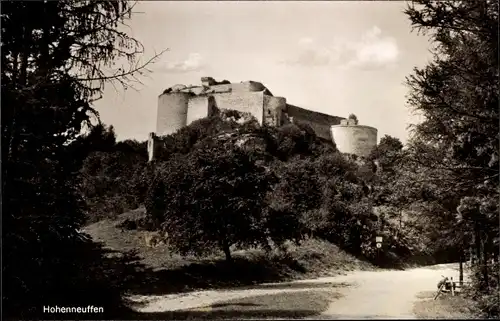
[[481, 259], [477, 243], [485, 256]]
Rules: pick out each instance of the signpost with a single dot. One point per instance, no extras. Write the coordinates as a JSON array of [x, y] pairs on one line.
[[378, 241]]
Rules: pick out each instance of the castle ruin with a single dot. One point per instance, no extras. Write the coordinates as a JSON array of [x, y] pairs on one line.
[[180, 105]]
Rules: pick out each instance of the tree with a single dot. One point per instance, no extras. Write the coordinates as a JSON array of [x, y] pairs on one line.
[[112, 182], [296, 196], [101, 138], [390, 181], [56, 58], [294, 139], [184, 140], [387, 147], [457, 93], [98, 138], [353, 118], [211, 198]]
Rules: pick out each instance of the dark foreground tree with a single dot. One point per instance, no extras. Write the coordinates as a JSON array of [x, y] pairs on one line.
[[457, 93], [55, 59]]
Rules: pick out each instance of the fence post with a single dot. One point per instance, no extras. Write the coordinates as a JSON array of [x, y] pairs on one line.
[[461, 268]]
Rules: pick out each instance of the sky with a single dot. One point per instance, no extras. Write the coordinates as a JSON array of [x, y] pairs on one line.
[[335, 57]]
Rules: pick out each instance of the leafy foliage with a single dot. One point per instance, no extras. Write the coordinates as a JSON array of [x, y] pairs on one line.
[[283, 142], [115, 181], [212, 197], [456, 146], [56, 57], [186, 138], [354, 118]]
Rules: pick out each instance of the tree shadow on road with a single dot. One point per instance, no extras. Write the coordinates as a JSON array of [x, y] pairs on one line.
[[232, 314], [285, 305]]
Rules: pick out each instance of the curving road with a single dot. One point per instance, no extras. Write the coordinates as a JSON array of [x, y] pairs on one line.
[[387, 294]]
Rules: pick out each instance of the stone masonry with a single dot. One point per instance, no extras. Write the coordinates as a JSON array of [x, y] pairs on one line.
[[180, 105]]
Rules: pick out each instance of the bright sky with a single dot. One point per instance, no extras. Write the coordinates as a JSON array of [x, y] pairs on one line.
[[333, 57]]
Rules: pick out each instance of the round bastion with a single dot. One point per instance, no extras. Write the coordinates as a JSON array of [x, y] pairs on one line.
[[172, 112], [359, 140]]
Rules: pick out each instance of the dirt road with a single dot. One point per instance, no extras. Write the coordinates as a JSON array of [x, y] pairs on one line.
[[369, 294], [387, 294]]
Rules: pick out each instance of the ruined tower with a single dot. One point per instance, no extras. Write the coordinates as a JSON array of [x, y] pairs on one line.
[[351, 138], [172, 112]]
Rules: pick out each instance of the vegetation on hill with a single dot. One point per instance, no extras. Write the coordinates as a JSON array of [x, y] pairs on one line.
[[112, 175], [225, 180], [220, 182]]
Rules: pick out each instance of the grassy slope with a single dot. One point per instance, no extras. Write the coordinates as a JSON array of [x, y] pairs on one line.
[[158, 271]]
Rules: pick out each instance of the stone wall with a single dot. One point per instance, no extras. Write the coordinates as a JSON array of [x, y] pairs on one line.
[[248, 102], [358, 140], [155, 145], [199, 107], [248, 86], [172, 112], [225, 88], [273, 110], [319, 122]]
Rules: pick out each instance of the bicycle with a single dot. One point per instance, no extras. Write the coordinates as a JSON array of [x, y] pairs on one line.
[[446, 285]]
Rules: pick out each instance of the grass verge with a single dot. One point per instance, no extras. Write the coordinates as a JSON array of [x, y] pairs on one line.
[[445, 306]]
